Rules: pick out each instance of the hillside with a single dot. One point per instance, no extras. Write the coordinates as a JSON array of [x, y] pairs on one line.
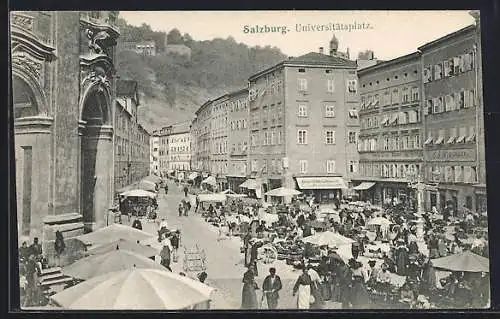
[[173, 87]]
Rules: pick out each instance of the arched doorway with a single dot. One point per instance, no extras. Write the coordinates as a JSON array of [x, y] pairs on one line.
[[96, 159], [32, 140]]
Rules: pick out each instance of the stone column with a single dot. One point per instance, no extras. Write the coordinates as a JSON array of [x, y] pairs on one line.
[[103, 196]]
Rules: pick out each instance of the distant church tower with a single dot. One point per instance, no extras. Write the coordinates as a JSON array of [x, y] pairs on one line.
[[334, 45]]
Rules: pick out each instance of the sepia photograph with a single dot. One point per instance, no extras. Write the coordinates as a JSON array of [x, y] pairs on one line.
[[249, 160]]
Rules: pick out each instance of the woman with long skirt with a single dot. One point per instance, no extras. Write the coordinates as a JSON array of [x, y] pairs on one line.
[[360, 297], [302, 289], [315, 288], [249, 295]]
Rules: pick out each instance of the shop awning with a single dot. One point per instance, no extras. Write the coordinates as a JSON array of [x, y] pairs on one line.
[[250, 184], [193, 175], [327, 182], [210, 181], [364, 186]]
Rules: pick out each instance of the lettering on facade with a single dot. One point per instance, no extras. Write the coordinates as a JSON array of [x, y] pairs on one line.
[[320, 183], [463, 155], [391, 156], [23, 21]]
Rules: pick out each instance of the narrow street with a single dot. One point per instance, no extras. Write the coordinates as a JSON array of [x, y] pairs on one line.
[[223, 258]]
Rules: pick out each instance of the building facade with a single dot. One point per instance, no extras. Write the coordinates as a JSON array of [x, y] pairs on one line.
[[179, 150], [238, 138], [390, 142], [201, 129], [304, 124], [219, 140], [155, 154], [63, 94], [178, 49], [163, 151], [454, 134], [131, 140], [143, 47]]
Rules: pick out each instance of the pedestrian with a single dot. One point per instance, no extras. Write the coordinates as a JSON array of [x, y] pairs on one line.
[[315, 287], [36, 248], [181, 208], [359, 296], [166, 189], [59, 247], [186, 191], [270, 289], [249, 295], [302, 289], [174, 240], [137, 224], [202, 276], [165, 253], [24, 252]]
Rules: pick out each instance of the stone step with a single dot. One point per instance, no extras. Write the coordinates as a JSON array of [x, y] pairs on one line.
[[58, 281], [52, 270], [63, 218], [49, 277]]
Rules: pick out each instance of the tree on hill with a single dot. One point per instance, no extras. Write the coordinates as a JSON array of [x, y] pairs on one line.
[[174, 37]]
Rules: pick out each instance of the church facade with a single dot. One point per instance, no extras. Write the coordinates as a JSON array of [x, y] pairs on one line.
[[63, 89]]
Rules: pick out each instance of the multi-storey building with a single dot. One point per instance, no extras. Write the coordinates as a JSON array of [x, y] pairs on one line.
[[304, 124], [63, 98], [155, 154], [201, 136], [143, 47], [454, 135], [390, 141], [163, 151], [131, 139], [238, 138], [179, 150], [219, 140]]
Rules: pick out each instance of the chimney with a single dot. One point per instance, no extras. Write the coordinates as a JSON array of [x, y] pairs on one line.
[[321, 50], [348, 55]]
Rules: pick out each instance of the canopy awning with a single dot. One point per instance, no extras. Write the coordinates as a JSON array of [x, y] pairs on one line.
[[327, 182], [250, 184], [212, 198], [210, 180], [193, 175], [364, 186]]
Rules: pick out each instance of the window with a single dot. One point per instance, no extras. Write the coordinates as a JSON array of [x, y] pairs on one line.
[[437, 105], [278, 141], [375, 101], [406, 95], [303, 166], [330, 166], [329, 111], [448, 68], [352, 86], [462, 135], [330, 137], [416, 141], [302, 112], [353, 114], [405, 142], [387, 98], [273, 137], [302, 85], [386, 143], [468, 98], [438, 71], [254, 166], [472, 135], [427, 74], [402, 118], [449, 103], [395, 96], [353, 166], [301, 137], [441, 137], [352, 138], [429, 106], [330, 85]]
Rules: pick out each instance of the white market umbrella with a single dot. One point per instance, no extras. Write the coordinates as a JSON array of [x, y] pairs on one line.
[[210, 181], [328, 238], [138, 193], [135, 289], [113, 233], [282, 192], [380, 221]]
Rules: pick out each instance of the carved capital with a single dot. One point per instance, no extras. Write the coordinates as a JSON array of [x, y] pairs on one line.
[[101, 34], [30, 65], [96, 69]]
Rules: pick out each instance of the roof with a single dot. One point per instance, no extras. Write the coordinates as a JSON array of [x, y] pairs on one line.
[[414, 56], [180, 128], [203, 106], [238, 92], [126, 87], [312, 58], [463, 31]]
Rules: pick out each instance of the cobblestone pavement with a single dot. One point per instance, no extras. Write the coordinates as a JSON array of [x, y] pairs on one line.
[[224, 262]]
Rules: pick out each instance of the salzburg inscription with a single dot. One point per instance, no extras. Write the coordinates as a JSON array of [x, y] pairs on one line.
[[452, 155]]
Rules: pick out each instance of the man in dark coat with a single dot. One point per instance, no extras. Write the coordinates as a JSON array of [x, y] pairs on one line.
[[271, 287], [186, 191], [35, 248]]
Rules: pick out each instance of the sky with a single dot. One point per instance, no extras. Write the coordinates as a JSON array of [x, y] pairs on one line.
[[388, 33]]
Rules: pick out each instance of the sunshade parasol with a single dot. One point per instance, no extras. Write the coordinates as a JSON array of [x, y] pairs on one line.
[[465, 261], [212, 197], [210, 181], [147, 185], [138, 193], [96, 265], [135, 289], [327, 238], [123, 244], [379, 221], [113, 233], [282, 192]]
